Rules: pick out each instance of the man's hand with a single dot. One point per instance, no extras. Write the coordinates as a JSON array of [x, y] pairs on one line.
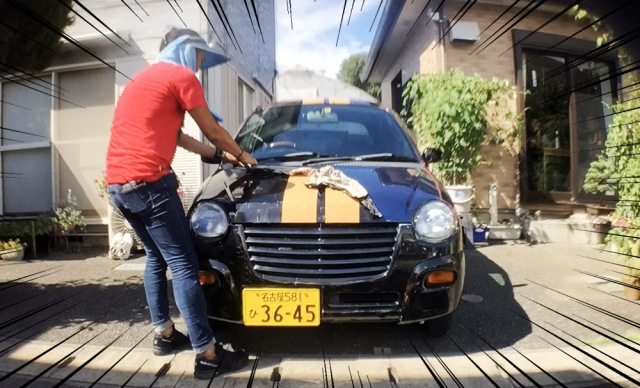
[[247, 160], [229, 158]]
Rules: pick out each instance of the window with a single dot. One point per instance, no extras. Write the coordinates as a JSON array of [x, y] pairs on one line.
[[396, 93], [324, 131], [245, 101], [25, 150], [567, 119], [74, 139]]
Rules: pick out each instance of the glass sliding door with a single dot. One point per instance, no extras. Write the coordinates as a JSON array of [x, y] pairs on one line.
[[593, 96], [548, 127], [567, 113]]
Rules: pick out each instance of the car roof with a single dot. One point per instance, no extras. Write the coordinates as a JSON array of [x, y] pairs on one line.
[[323, 101]]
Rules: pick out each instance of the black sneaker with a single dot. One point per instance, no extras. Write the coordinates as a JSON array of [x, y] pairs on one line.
[[224, 361], [166, 345]]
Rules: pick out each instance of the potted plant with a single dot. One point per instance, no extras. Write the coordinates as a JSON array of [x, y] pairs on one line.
[[459, 114], [12, 250], [621, 241], [67, 218]]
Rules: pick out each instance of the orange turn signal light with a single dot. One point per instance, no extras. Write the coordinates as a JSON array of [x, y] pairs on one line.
[[440, 278], [206, 277]]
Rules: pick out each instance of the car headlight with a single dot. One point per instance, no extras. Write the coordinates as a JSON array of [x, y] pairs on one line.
[[434, 221], [209, 220]]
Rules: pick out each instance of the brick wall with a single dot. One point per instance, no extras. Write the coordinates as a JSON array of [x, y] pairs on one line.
[[420, 54], [490, 63], [495, 62]]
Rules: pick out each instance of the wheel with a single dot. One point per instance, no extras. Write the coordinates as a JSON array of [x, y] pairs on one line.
[[438, 327]]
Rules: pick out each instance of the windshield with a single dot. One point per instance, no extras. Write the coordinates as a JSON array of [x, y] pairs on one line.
[[323, 132]]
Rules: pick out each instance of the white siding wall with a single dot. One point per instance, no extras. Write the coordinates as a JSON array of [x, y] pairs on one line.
[[257, 66]]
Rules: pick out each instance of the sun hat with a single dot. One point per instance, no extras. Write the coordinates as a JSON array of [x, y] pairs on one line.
[[179, 46]]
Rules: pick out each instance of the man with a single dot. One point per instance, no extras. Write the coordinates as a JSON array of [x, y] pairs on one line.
[[144, 135]]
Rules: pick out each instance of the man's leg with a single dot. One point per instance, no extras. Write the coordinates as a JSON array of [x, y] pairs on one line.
[[135, 207], [167, 226], [155, 276]]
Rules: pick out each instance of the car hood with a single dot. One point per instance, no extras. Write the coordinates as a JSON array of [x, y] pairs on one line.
[[270, 195]]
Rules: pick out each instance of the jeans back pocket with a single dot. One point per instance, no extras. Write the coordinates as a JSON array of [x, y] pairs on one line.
[[136, 200]]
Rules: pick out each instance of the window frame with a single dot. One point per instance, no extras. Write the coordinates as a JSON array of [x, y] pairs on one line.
[[573, 47], [29, 146]]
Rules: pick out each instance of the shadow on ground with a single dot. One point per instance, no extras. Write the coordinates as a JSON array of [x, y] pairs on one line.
[[31, 309], [487, 307]]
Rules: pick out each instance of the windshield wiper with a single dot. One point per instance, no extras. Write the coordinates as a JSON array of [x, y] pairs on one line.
[[290, 156], [384, 156]]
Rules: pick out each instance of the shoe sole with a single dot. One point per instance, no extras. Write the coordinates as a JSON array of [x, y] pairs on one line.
[[159, 352], [204, 375]]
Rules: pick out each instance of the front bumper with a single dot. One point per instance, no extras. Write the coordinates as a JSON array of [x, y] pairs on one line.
[[399, 294]]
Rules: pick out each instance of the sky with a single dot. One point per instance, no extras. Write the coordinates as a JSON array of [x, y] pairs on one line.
[[311, 44]]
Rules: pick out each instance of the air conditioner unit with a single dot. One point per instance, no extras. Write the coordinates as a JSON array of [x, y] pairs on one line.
[[464, 32]]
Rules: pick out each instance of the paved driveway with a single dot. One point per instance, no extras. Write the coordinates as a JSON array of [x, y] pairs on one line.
[[492, 339]]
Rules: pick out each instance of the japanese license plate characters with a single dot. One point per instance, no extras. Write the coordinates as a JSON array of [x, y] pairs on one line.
[[281, 306]]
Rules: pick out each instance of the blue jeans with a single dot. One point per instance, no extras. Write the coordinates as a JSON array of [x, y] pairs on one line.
[[156, 214]]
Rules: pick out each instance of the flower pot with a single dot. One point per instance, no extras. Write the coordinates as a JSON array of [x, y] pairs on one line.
[[628, 292], [461, 197], [13, 255]]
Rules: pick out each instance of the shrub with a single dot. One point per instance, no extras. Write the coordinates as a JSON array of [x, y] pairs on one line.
[[458, 114], [67, 217]]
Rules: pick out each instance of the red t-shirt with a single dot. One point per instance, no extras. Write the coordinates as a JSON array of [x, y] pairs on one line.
[[146, 122]]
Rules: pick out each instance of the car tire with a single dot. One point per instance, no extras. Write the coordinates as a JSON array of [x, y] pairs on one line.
[[438, 327]]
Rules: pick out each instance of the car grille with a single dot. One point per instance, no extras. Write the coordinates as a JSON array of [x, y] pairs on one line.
[[321, 254]]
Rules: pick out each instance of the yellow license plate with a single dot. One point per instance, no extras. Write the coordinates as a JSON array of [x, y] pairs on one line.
[[281, 306]]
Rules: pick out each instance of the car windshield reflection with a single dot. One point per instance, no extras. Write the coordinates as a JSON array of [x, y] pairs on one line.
[[325, 133]]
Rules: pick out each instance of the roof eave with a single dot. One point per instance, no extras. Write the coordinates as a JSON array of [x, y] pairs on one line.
[[388, 20]]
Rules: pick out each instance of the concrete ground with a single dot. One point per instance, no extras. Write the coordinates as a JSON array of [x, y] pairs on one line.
[[528, 317]]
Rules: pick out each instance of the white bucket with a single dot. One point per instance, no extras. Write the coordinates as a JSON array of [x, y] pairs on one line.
[[461, 197]]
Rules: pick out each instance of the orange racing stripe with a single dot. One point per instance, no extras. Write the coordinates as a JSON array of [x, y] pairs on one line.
[[340, 208], [299, 202]]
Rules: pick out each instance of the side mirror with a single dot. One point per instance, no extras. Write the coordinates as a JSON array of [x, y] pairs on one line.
[[431, 155]]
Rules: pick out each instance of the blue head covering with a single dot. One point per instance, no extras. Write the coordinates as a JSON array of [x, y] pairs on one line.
[[182, 51]]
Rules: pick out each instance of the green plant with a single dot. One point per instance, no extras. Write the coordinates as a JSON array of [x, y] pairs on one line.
[[20, 229], [67, 217], [11, 245], [621, 156], [350, 70], [608, 172], [458, 114]]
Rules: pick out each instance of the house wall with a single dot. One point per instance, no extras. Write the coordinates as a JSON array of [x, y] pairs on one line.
[[254, 60], [499, 61], [420, 54], [79, 135], [492, 62]]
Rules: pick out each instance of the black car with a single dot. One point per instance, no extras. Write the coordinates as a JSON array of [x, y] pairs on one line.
[[341, 221]]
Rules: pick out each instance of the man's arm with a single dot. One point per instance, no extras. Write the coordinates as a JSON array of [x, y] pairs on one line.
[[219, 136], [190, 144]]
